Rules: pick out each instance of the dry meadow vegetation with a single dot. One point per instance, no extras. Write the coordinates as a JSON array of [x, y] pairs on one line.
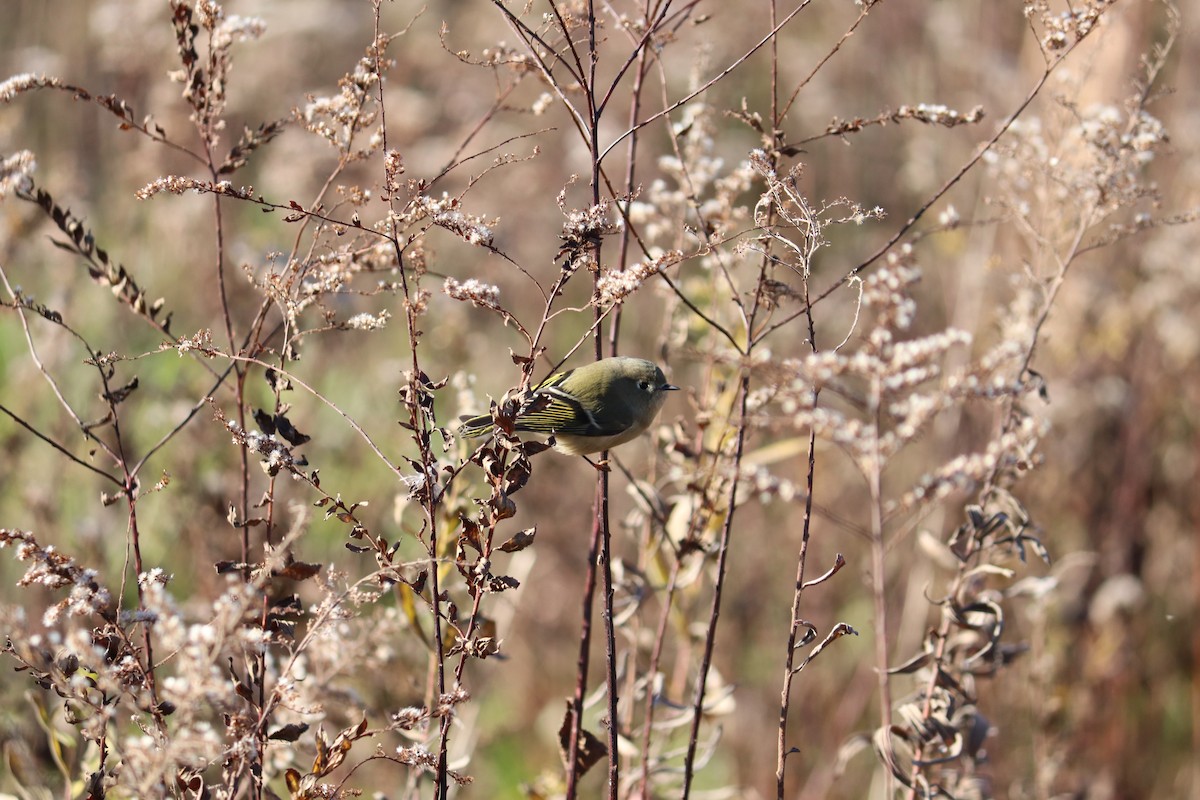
[[922, 523]]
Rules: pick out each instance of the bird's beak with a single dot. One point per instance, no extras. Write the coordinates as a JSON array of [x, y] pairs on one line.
[[666, 387]]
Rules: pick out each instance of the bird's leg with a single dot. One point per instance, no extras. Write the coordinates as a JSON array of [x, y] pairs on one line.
[[600, 466]]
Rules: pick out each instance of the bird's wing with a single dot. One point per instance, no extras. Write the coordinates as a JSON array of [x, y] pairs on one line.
[[556, 411], [552, 410]]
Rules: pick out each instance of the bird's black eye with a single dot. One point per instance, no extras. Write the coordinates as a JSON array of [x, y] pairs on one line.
[[644, 386]]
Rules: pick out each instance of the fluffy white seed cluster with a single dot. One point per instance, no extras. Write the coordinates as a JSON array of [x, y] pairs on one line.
[[393, 168], [178, 184], [368, 322], [584, 223], [446, 213], [1111, 131], [615, 285], [1091, 160], [473, 291], [1066, 27], [937, 114], [1014, 450], [202, 342], [23, 83], [698, 188], [340, 118], [175, 184], [51, 569], [236, 28]]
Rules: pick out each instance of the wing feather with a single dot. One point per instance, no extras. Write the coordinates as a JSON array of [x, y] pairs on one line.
[[555, 411]]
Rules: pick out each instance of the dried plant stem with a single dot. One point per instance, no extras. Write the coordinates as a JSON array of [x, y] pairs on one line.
[[879, 584], [195, 409], [689, 764], [949, 184], [782, 750], [711, 82], [837, 46], [635, 105], [660, 637], [581, 664], [970, 557], [610, 639], [116, 451], [419, 422], [60, 448], [135, 545], [45, 373], [595, 110], [207, 123]]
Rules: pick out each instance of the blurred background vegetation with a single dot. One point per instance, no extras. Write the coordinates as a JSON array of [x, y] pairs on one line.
[[1104, 704]]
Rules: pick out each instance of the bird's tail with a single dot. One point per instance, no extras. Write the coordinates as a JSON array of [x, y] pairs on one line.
[[472, 427]]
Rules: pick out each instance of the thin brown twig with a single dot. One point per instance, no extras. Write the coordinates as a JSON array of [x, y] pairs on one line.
[[689, 764], [900, 232], [60, 448], [711, 82]]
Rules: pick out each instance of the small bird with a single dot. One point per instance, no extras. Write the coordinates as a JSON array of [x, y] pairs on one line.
[[592, 408]]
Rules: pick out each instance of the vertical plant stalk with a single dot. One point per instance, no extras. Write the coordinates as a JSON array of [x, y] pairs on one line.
[[975, 544], [879, 584], [610, 642], [602, 488], [689, 764], [795, 623], [785, 694], [581, 664], [614, 331], [599, 550], [257, 673], [601, 534], [128, 487], [660, 636], [789, 670], [412, 396]]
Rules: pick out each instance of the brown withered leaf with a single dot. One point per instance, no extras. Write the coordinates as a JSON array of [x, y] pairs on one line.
[[502, 507], [499, 583], [590, 750], [250, 141], [520, 541], [298, 570], [187, 783], [418, 583], [519, 360], [289, 733], [276, 381], [265, 422], [470, 533], [532, 448], [292, 777], [121, 393], [288, 431], [913, 664]]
